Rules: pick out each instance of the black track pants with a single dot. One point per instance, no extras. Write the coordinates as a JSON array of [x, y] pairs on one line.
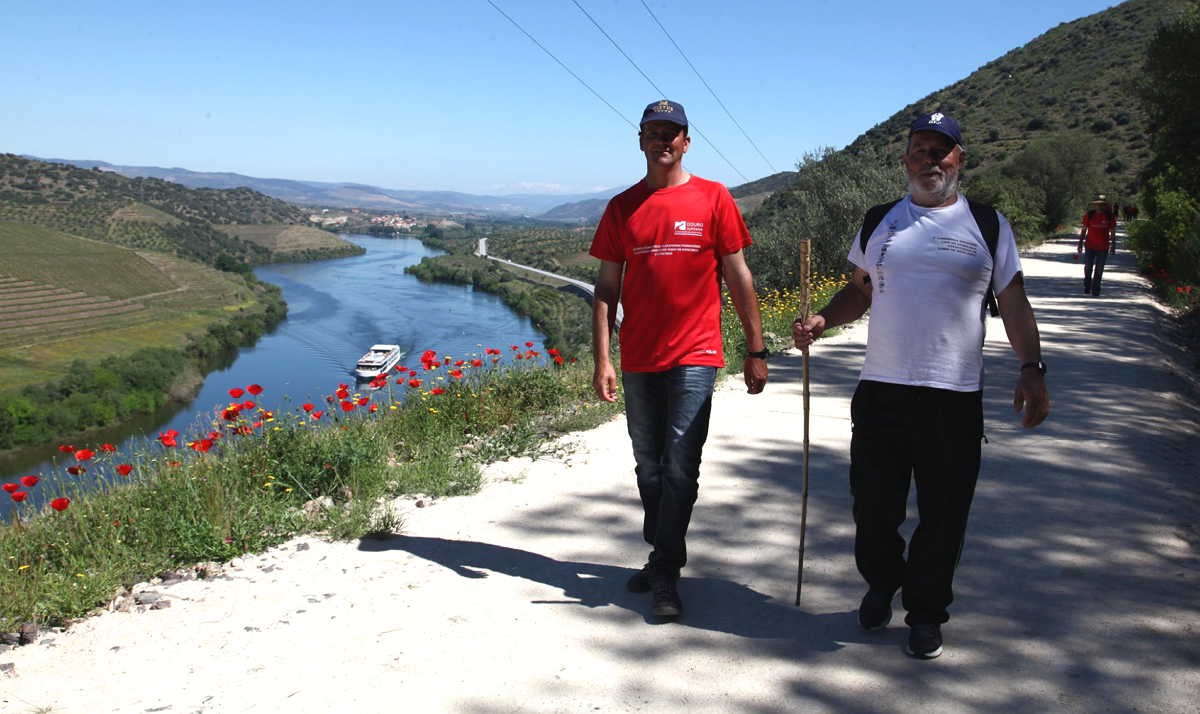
[[902, 433]]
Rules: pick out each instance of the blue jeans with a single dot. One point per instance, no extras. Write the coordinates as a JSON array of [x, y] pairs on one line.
[[667, 414]]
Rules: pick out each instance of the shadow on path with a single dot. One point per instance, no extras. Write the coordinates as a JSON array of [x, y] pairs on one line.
[[713, 604]]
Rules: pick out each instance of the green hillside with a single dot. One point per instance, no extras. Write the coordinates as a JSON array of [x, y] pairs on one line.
[[64, 298], [147, 214], [1081, 76]]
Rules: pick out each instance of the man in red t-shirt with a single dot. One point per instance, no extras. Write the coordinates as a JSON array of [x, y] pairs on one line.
[[1097, 239], [664, 246]]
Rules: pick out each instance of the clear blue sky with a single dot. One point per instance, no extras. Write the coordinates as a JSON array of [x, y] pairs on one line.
[[447, 94]]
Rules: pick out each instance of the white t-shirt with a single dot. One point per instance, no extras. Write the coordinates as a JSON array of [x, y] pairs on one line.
[[929, 271]]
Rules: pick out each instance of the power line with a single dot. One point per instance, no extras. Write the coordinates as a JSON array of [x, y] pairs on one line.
[[710, 89], [661, 92], [561, 64]]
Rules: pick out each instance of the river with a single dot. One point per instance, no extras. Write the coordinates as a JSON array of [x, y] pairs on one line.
[[336, 310]]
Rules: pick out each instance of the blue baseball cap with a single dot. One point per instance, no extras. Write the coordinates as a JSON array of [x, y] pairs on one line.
[[665, 110], [939, 122]]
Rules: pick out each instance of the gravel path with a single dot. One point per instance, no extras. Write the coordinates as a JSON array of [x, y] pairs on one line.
[[1077, 590]]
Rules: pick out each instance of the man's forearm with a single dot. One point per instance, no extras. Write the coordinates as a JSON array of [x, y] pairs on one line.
[[745, 301], [846, 306]]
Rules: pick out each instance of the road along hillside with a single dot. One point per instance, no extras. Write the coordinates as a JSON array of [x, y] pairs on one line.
[[1076, 592]]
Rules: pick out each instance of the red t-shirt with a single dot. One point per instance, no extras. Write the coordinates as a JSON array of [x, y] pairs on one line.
[[671, 241], [1099, 226]]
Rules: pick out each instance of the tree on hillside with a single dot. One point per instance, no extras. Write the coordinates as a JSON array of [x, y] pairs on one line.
[[825, 203], [1172, 95], [1066, 169]]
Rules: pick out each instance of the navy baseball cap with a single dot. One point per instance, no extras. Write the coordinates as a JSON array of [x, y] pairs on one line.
[[939, 122], [665, 110]]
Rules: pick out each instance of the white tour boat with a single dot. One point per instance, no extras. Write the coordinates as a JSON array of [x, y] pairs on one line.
[[378, 361]]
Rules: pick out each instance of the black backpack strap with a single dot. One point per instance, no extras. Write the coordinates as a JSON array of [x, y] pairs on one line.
[[871, 221], [989, 225]]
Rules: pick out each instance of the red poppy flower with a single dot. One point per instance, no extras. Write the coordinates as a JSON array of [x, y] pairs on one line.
[[515, 348], [414, 382], [317, 415], [347, 406], [124, 469], [76, 470], [10, 487], [362, 401], [248, 405], [245, 430], [456, 373], [254, 389], [107, 448], [374, 408], [520, 356], [66, 448], [342, 393], [267, 414], [84, 454], [436, 391], [18, 496], [202, 446], [400, 368], [167, 438], [529, 344], [237, 392], [459, 363], [214, 435], [428, 355], [476, 363], [558, 359], [552, 352], [329, 400], [258, 424], [60, 504], [492, 351], [229, 414], [308, 406], [29, 481]]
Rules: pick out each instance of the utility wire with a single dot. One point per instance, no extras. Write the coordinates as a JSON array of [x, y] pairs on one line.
[[710, 89], [561, 64], [664, 94]]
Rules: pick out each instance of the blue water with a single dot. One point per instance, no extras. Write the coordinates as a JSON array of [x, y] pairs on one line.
[[336, 310]]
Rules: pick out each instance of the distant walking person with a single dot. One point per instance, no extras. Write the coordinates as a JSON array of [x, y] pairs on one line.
[[1097, 239], [664, 246], [924, 267]]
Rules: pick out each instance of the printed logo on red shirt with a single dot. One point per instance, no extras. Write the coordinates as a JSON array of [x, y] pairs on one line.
[[689, 228]]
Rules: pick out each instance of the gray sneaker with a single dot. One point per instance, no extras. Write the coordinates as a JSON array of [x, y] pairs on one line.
[[924, 641], [666, 597], [875, 611]]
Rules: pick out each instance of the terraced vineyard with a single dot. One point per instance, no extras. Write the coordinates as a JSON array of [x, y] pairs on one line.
[[64, 298]]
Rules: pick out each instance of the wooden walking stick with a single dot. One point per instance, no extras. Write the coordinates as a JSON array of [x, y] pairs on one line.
[[805, 305]]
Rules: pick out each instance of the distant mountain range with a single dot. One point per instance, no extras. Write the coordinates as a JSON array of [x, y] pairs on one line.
[[354, 195]]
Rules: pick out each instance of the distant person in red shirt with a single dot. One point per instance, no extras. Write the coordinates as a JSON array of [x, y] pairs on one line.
[[664, 245], [1097, 239]]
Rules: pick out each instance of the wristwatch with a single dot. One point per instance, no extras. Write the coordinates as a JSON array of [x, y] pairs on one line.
[[761, 354], [1039, 365]]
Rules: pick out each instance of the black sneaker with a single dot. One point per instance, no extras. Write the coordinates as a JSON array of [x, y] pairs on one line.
[[666, 598], [875, 611], [925, 641], [639, 582]]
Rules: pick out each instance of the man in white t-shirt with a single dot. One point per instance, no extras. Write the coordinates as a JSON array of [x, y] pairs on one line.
[[917, 413]]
